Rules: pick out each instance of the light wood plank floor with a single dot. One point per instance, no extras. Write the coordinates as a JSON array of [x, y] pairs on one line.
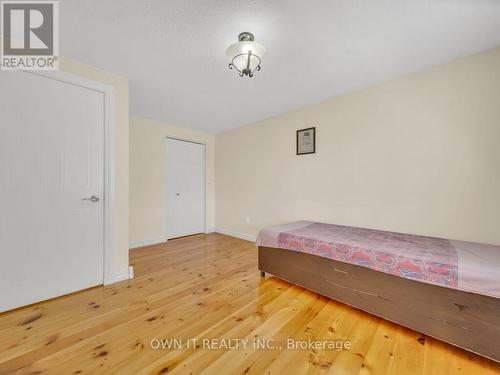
[[208, 287]]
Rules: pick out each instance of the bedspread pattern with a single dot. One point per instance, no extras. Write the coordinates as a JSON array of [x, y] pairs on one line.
[[427, 259]]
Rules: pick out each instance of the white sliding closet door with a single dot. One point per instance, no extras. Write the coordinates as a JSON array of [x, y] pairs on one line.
[[185, 188], [51, 159]]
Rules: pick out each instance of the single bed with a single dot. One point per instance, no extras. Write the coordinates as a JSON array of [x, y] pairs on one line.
[[443, 288]]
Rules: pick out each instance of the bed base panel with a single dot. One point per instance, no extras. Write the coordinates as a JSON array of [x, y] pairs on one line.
[[468, 320]]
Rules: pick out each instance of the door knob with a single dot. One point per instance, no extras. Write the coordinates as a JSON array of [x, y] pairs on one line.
[[93, 198], [178, 194]]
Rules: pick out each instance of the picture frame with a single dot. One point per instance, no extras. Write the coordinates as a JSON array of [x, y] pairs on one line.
[[306, 141]]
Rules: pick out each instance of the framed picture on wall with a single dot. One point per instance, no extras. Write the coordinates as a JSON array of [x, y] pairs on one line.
[[306, 141]]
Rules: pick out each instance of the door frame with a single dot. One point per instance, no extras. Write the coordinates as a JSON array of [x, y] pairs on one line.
[[175, 138], [109, 159]]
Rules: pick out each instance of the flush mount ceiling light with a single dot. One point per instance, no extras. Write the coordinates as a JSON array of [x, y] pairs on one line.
[[246, 55]]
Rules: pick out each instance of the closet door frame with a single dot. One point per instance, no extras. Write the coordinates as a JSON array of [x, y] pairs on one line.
[[175, 138]]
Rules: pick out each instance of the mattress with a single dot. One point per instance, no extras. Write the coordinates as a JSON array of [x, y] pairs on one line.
[[466, 266]]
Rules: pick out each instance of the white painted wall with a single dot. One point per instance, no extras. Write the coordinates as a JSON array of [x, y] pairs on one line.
[[420, 154]]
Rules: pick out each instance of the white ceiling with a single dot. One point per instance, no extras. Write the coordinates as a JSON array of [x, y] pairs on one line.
[[173, 50]]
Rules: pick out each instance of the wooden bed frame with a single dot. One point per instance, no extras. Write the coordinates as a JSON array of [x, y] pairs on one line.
[[468, 320]]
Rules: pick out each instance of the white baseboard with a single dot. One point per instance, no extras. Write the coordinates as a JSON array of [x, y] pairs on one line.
[[129, 274], [210, 230], [243, 236], [155, 241]]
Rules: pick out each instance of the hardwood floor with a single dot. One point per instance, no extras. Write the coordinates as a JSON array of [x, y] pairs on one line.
[[208, 287]]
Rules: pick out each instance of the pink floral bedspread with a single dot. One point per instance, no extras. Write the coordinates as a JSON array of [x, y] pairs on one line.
[[427, 259]]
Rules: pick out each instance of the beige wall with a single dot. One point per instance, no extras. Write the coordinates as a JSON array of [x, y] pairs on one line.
[[420, 154], [147, 178], [119, 258]]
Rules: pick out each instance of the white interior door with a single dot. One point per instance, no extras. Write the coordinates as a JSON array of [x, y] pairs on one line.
[[51, 159], [185, 188]]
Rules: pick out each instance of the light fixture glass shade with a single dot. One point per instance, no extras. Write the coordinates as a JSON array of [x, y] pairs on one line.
[[245, 56]]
